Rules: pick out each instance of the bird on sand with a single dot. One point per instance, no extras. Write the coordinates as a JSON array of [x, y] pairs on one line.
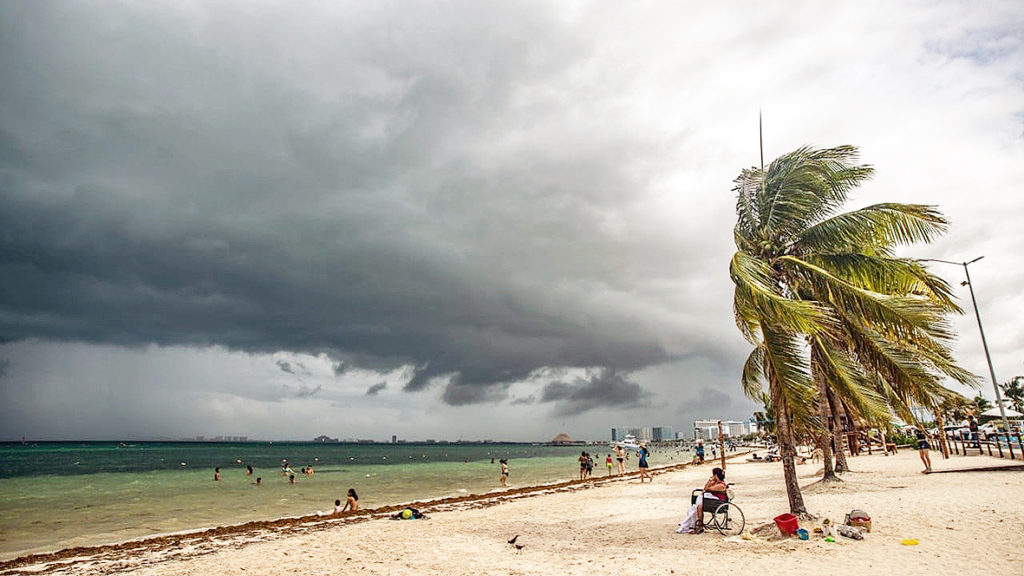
[[519, 547], [513, 540]]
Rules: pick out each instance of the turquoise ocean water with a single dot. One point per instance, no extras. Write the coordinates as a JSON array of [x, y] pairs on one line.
[[56, 495]]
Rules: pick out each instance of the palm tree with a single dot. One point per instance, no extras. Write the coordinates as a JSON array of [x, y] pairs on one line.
[[1014, 391], [980, 403], [828, 307]]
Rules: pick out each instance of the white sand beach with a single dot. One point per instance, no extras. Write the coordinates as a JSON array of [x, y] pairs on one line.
[[967, 519]]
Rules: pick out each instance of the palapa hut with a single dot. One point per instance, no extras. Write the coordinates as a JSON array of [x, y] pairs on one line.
[[562, 439]]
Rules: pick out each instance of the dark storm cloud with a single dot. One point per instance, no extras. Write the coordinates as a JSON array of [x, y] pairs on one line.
[[457, 393], [376, 388], [708, 401], [343, 191], [601, 389]]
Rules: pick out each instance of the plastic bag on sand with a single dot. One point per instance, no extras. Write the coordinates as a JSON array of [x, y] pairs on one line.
[[850, 532], [689, 522]]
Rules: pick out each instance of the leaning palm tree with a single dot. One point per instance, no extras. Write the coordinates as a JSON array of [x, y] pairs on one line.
[[826, 305]]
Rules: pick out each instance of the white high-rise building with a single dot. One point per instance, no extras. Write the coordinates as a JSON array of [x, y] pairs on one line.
[[708, 429]]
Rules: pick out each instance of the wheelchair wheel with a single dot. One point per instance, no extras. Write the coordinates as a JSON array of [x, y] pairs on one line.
[[728, 519]]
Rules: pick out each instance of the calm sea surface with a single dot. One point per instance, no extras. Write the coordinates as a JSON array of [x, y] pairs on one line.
[[56, 495]]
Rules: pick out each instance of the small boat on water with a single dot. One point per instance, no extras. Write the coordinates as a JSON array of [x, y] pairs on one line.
[[628, 443]]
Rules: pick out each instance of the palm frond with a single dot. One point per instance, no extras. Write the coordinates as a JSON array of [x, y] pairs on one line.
[[756, 297], [880, 225], [887, 275], [786, 360], [754, 374], [904, 313], [847, 378]]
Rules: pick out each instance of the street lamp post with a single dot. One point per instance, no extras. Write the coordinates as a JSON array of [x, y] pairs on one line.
[[981, 329]]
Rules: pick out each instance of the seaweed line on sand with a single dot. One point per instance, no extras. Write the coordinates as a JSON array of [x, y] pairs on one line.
[[112, 558]]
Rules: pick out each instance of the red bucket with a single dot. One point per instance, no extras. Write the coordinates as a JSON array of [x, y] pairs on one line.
[[787, 523]]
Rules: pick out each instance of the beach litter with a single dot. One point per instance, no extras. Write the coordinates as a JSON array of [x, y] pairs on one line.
[[850, 532], [910, 542], [858, 517], [768, 531]]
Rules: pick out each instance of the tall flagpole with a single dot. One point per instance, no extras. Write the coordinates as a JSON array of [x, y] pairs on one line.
[[760, 136]]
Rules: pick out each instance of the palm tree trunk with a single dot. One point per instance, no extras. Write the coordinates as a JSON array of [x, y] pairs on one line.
[[823, 438], [837, 432], [787, 448], [854, 433], [942, 435]]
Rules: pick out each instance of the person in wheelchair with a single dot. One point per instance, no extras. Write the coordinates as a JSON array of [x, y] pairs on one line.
[[715, 493]]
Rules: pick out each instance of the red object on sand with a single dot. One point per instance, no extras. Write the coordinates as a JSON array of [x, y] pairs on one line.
[[787, 523]]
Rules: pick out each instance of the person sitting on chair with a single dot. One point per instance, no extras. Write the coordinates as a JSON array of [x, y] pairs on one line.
[[714, 494]]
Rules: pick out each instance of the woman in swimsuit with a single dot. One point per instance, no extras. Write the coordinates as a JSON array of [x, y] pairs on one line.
[[352, 503], [620, 455], [504, 472], [922, 449]]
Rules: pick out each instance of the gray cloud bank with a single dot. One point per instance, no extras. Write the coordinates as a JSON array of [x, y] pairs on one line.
[[214, 181], [482, 196]]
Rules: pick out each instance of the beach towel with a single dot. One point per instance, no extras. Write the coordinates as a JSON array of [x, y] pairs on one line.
[[688, 523]]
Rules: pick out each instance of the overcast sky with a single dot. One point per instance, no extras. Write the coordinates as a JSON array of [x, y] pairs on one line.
[[478, 220]]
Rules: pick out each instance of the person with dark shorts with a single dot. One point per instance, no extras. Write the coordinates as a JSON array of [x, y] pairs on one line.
[[642, 454], [922, 448], [620, 457]]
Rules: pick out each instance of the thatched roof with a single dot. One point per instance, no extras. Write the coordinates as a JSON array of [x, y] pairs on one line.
[[562, 438]]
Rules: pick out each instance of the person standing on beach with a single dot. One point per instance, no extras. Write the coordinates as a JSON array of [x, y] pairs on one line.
[[608, 463], [620, 456], [642, 455], [504, 472], [923, 448], [352, 502], [583, 464], [216, 474], [590, 464]]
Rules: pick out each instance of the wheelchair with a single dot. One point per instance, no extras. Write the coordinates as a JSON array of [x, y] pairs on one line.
[[726, 517]]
